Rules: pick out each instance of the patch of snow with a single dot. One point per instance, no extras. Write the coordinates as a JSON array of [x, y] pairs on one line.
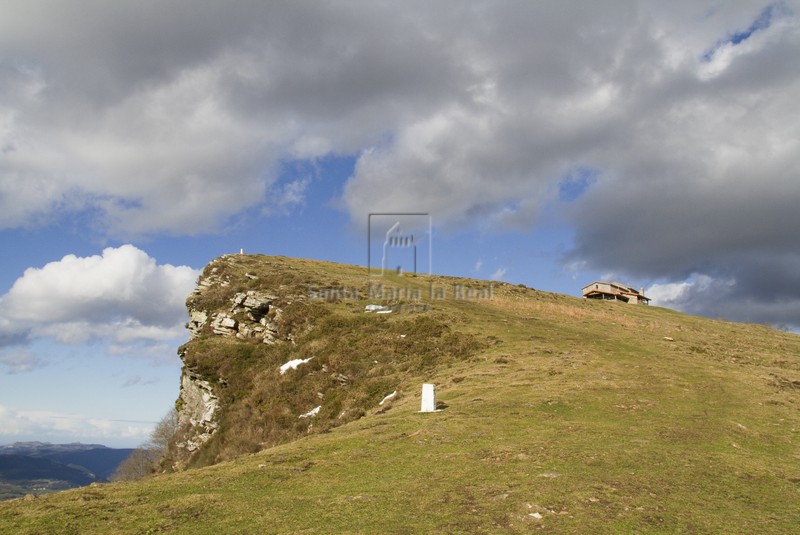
[[380, 309], [537, 516], [387, 398], [293, 364], [313, 412], [384, 312]]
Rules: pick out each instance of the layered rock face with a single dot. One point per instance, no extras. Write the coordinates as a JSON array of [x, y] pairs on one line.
[[252, 315], [198, 405]]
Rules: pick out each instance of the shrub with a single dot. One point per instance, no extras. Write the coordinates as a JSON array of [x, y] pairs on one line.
[[145, 459]]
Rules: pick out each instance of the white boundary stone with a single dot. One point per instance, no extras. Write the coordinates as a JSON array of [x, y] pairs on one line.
[[428, 398]]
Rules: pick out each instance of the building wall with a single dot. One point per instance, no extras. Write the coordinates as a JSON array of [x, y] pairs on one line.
[[599, 286]]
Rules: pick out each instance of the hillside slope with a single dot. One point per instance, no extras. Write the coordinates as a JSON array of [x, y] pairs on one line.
[[563, 415]]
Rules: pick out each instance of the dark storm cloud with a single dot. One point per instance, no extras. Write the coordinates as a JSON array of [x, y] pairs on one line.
[[709, 188]]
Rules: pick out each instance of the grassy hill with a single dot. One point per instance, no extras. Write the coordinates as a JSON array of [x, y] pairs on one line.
[[563, 416]]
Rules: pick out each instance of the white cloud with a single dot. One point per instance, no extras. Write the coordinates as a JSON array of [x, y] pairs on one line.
[[669, 293], [498, 274], [121, 296], [285, 197], [135, 380], [59, 427], [170, 157], [677, 294], [19, 360]]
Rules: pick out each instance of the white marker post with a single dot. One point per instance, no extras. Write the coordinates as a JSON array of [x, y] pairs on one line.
[[428, 398]]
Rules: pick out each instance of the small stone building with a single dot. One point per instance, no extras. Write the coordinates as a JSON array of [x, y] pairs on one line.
[[614, 291]]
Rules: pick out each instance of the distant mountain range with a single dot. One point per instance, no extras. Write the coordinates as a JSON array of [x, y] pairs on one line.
[[40, 467]]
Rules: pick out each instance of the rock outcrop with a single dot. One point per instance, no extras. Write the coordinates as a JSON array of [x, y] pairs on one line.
[[216, 309], [198, 406], [253, 314]]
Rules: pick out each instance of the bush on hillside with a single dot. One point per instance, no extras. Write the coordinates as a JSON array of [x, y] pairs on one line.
[[145, 459]]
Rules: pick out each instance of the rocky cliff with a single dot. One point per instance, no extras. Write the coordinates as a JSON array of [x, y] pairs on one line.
[[252, 316], [216, 309], [273, 355]]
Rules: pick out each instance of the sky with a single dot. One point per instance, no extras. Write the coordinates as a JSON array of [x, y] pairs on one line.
[[551, 144]]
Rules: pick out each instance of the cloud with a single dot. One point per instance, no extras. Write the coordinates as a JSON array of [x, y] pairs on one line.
[[760, 290], [136, 380], [60, 427], [690, 293], [666, 133], [121, 296], [700, 195], [182, 126], [19, 361], [132, 381], [285, 197], [498, 274]]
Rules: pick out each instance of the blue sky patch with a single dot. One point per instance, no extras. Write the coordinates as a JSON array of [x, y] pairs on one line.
[[762, 22], [576, 182]]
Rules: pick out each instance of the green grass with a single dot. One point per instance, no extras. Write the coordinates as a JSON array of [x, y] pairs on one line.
[[577, 411]]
